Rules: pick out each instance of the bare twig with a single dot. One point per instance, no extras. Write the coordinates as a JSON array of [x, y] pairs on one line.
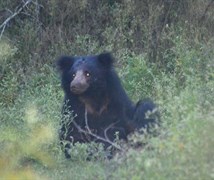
[[89, 132], [4, 24], [106, 130], [86, 121], [206, 10]]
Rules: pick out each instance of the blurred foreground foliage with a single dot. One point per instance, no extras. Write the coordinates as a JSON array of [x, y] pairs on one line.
[[164, 50]]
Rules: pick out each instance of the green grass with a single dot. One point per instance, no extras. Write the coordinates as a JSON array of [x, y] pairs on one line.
[[180, 79], [30, 115]]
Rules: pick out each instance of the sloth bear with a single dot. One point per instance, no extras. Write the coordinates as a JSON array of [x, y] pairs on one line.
[[96, 107]]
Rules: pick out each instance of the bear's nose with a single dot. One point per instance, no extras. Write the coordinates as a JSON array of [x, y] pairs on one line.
[[79, 83], [76, 85]]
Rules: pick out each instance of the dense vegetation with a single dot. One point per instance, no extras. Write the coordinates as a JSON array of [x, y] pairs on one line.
[[164, 50]]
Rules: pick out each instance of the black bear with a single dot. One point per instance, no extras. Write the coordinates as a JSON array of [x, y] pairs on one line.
[[96, 107]]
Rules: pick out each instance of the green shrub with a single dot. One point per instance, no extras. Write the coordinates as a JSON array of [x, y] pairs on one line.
[[163, 51]]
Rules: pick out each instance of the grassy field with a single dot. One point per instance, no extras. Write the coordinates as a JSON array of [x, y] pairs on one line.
[[30, 115], [180, 80]]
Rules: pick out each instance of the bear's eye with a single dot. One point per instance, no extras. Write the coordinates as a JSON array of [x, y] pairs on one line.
[[73, 75], [87, 74]]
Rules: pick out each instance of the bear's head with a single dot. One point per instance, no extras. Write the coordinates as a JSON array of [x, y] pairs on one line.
[[84, 74]]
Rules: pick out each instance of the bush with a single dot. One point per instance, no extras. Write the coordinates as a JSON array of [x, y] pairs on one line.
[[164, 50]]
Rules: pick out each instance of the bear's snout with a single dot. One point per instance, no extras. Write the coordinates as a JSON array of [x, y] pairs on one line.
[[79, 84]]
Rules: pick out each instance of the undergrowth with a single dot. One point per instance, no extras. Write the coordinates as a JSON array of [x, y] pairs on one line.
[[183, 149], [176, 72]]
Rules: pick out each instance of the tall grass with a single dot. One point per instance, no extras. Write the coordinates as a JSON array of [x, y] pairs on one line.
[[177, 72]]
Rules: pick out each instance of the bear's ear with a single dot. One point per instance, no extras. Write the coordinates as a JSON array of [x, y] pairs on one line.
[[106, 59], [64, 63]]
